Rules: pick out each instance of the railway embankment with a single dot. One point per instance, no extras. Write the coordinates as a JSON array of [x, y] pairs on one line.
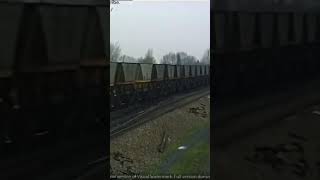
[[167, 144]]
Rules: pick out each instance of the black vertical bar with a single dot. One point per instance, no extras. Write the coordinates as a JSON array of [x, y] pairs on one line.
[[275, 33], [291, 33], [257, 30], [305, 30], [318, 28], [213, 44], [236, 40]]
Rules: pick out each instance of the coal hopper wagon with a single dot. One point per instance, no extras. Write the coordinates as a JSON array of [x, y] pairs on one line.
[[137, 82], [263, 44], [53, 67]]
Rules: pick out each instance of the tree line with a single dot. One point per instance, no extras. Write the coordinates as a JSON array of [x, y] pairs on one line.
[[180, 58]]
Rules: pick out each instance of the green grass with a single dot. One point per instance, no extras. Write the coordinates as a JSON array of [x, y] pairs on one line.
[[195, 161], [197, 152]]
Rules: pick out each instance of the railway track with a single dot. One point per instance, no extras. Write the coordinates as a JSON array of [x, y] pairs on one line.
[[85, 159], [126, 121], [133, 117]]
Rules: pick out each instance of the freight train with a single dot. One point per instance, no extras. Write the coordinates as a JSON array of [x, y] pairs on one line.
[[263, 44], [53, 67], [135, 82]]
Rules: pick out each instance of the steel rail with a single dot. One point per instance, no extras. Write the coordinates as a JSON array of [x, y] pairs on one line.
[[157, 110]]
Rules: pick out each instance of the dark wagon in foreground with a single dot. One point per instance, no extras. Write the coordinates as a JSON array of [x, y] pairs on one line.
[[53, 68]]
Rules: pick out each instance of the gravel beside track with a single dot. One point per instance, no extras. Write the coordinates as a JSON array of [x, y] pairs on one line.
[[135, 118], [137, 150]]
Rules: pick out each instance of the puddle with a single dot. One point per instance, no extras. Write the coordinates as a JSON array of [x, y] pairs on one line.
[[182, 148], [316, 112]]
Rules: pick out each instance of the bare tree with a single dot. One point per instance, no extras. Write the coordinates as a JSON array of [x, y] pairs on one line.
[[125, 58], [140, 59], [206, 57], [115, 52], [148, 57], [182, 55], [169, 58], [184, 59], [178, 59], [189, 60]]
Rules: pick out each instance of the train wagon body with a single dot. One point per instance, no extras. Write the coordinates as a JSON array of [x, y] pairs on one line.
[[132, 72], [180, 71], [261, 44], [172, 71], [151, 81], [146, 70], [159, 72], [187, 71], [53, 65]]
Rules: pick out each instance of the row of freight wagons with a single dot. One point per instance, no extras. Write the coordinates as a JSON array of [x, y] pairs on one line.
[[129, 72]]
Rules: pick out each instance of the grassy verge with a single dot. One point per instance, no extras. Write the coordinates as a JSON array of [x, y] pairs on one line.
[[194, 162], [200, 150]]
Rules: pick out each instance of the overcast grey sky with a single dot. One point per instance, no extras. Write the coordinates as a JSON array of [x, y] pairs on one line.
[[163, 26]]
